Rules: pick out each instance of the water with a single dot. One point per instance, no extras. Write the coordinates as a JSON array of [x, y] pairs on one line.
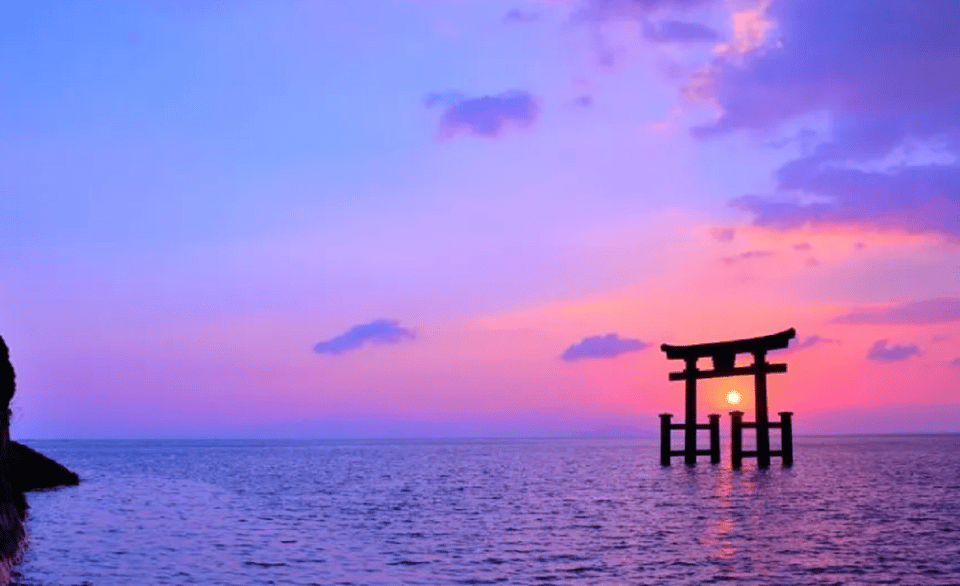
[[853, 510]]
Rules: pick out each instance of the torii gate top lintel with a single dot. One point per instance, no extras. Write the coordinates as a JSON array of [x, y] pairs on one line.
[[724, 353]]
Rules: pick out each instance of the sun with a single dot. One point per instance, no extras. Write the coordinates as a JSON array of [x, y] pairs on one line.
[[734, 398]]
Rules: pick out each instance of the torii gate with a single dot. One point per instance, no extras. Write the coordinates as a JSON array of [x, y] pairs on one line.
[[724, 356]]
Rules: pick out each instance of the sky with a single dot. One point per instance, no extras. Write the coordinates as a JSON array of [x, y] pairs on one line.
[[428, 218]]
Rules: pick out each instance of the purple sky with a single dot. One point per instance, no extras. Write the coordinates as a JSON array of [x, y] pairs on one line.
[[474, 217]]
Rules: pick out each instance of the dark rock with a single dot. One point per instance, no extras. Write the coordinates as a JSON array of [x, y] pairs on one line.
[[21, 469], [8, 384], [31, 470], [13, 533]]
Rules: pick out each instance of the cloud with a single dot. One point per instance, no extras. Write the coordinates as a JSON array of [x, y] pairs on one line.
[[584, 101], [803, 246], [604, 346], [811, 341], [881, 353], [653, 16], [521, 16], [486, 116], [677, 31], [750, 254], [914, 199], [955, 362], [852, 60], [884, 76], [723, 234], [604, 10], [379, 331], [931, 311]]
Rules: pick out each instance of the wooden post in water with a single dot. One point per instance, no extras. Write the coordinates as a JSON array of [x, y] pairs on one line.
[[736, 439], [690, 432], [714, 438], [786, 435], [665, 428], [760, 404]]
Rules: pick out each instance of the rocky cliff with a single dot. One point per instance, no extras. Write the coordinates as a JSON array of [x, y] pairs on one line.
[[21, 469]]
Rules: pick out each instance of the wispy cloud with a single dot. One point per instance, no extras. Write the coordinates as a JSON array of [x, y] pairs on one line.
[[486, 116], [678, 31], [521, 16], [931, 311], [913, 199], [657, 19], [605, 10], [583, 101], [882, 353], [811, 341], [748, 255], [723, 233], [602, 346], [379, 331]]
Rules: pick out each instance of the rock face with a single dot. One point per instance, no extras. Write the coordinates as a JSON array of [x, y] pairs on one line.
[[13, 506], [8, 379], [21, 469]]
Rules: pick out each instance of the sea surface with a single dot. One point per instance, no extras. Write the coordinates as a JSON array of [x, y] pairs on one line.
[[853, 510]]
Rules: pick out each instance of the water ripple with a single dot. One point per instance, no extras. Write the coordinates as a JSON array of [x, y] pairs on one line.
[[880, 510]]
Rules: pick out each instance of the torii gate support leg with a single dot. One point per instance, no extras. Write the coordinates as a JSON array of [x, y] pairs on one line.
[[786, 442], [665, 438], [736, 439], [763, 418], [690, 431], [714, 438]]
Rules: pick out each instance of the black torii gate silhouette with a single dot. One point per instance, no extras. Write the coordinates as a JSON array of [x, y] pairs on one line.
[[724, 356]]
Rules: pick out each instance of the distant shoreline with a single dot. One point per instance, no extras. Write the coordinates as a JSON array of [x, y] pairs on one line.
[[464, 438]]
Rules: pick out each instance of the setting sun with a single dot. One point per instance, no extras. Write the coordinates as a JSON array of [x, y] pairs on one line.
[[734, 397]]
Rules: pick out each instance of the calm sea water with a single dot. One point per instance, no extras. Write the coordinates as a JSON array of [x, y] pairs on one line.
[[853, 510]]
